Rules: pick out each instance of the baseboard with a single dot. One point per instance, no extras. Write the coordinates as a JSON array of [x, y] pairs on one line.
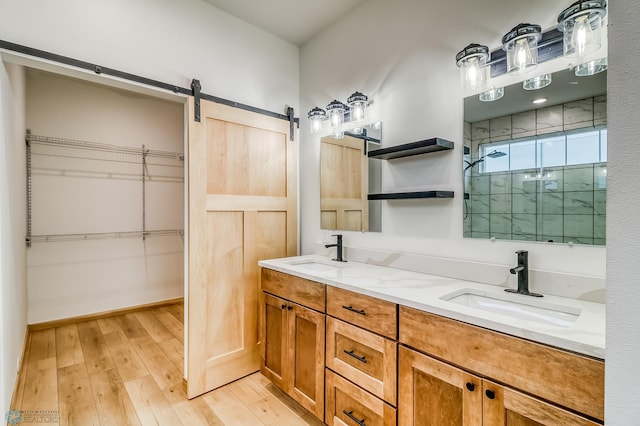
[[16, 385], [73, 320]]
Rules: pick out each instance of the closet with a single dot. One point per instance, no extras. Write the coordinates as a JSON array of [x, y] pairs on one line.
[[105, 198]]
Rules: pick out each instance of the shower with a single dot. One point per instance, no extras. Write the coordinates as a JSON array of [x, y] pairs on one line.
[[469, 164]]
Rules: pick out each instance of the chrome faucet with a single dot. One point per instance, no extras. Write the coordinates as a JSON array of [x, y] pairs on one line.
[[338, 247], [523, 275]]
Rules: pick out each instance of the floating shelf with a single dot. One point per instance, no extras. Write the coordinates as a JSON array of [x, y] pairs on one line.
[[410, 195], [410, 149]]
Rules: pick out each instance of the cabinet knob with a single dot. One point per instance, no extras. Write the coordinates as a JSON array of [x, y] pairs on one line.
[[490, 394], [283, 306], [471, 387], [289, 307]]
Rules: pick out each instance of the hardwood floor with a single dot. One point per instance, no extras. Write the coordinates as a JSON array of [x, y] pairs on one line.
[[127, 370]]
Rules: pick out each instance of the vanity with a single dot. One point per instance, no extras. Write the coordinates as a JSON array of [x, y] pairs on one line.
[[360, 344]]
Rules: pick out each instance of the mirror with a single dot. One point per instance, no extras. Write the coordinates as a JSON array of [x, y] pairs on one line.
[[347, 176], [538, 171]]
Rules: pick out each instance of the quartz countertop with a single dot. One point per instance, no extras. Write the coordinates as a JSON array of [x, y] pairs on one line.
[[428, 293]]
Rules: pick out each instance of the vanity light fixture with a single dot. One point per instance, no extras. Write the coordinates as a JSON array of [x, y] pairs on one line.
[[492, 94], [521, 45], [581, 24], [335, 112], [537, 82], [316, 116], [472, 61], [357, 106], [591, 67]]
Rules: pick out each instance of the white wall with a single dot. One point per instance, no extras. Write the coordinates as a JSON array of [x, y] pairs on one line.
[[408, 67], [89, 195], [13, 278], [172, 41], [623, 227]]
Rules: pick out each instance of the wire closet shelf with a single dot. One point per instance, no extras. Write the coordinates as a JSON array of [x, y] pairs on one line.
[[85, 150]]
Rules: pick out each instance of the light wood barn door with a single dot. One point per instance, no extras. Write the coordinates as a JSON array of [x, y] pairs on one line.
[[242, 208], [344, 184]]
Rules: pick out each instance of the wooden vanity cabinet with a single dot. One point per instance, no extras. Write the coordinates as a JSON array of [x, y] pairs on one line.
[[530, 374], [293, 338]]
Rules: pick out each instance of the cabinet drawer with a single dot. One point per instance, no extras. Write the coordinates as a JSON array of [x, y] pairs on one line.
[[349, 405], [567, 379], [367, 312], [298, 290], [363, 357]]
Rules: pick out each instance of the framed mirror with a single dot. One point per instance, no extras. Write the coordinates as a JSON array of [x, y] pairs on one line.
[[535, 162], [347, 176]]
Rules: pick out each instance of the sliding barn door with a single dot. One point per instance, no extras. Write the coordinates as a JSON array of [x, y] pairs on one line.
[[242, 208]]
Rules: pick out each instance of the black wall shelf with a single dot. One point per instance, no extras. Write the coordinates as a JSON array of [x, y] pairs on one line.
[[410, 195], [414, 148]]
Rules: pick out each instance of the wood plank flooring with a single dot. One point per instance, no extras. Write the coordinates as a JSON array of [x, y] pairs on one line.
[[127, 370]]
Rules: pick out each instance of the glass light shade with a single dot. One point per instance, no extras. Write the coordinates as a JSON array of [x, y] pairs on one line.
[[357, 106], [472, 61], [335, 113], [581, 24], [492, 94], [521, 45], [537, 82], [591, 67], [316, 117]]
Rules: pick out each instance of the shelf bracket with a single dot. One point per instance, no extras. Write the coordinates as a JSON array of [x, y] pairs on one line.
[[195, 87]]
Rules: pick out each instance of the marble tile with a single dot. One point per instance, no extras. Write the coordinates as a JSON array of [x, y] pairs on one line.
[[551, 239], [480, 184], [499, 236], [523, 124], [500, 183], [500, 223], [524, 203], [552, 203], [600, 110], [578, 226], [479, 235], [553, 179], [599, 242], [466, 234], [578, 202], [479, 222], [578, 114], [600, 177], [480, 132], [549, 119], [578, 178], [466, 131], [523, 224], [500, 203], [522, 184], [599, 226], [466, 224], [600, 202], [579, 240], [524, 237], [500, 128], [479, 203], [552, 224]]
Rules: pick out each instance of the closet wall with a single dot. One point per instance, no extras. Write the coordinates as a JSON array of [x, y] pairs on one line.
[[86, 191]]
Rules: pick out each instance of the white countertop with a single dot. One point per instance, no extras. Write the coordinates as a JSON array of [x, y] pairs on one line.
[[425, 292]]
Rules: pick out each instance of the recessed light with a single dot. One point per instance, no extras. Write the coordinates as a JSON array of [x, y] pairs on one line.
[[539, 100]]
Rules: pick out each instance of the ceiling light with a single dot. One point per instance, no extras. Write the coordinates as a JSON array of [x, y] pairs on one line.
[[335, 111], [540, 100], [581, 24], [357, 106], [316, 116], [492, 94], [472, 61], [521, 45], [537, 82], [591, 67]]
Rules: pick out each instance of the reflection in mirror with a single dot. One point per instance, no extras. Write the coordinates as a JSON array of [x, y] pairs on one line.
[[347, 176], [538, 171]]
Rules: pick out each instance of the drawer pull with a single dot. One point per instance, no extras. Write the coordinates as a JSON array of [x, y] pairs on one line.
[[490, 394], [470, 386], [354, 418], [352, 309], [283, 306], [359, 358]]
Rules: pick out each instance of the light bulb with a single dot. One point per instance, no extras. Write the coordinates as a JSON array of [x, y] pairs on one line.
[[316, 125], [357, 112], [357, 106], [335, 111], [335, 118], [582, 35], [522, 54]]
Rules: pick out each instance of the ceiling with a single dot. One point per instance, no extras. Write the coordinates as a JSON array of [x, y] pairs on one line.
[[296, 21]]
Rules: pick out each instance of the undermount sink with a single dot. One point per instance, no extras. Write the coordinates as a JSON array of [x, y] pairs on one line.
[[516, 305], [313, 265]]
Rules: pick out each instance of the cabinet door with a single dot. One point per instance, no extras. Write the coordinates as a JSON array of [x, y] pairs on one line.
[[504, 406], [306, 356], [274, 340], [432, 393]]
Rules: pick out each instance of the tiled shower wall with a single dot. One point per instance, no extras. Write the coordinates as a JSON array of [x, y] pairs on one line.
[[560, 204]]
